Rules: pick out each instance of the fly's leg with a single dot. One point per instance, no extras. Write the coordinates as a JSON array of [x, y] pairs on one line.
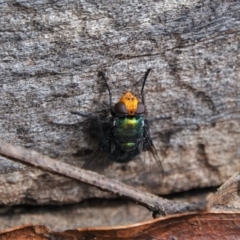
[[102, 74], [144, 81], [150, 120]]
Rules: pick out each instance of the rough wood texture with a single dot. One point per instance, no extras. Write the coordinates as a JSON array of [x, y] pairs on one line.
[[207, 226], [227, 196], [51, 53]]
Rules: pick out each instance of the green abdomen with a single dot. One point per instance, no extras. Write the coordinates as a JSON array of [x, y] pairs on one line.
[[128, 131]]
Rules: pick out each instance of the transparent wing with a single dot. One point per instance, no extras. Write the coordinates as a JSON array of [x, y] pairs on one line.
[[97, 128], [153, 174], [99, 161]]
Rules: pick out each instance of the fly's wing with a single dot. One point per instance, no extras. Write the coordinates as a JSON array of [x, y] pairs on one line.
[[99, 161], [98, 128], [156, 172]]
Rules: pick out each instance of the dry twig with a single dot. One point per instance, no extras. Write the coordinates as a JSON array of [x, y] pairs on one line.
[[154, 203]]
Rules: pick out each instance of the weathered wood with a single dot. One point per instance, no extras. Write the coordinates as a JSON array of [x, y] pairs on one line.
[[49, 59], [207, 226]]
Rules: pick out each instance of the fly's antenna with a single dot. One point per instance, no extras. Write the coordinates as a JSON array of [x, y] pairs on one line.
[[144, 81], [102, 74]]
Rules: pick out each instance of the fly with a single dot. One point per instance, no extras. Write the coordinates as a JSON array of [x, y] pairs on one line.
[[126, 134]]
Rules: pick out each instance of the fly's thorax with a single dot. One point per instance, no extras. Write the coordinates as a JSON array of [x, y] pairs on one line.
[[128, 131], [128, 122]]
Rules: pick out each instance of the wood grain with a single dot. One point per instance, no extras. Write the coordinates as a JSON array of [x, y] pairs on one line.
[[50, 56], [181, 226]]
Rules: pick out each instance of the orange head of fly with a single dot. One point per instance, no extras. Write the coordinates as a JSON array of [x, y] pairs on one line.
[[129, 104]]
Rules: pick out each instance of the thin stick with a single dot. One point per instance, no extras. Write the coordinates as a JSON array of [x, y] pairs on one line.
[[155, 204]]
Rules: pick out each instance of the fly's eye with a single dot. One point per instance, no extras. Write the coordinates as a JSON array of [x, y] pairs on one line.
[[140, 108], [120, 108]]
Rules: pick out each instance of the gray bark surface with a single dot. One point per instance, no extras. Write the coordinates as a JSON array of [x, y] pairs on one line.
[[50, 55]]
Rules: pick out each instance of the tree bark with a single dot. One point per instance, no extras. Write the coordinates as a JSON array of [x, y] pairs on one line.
[[51, 53]]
